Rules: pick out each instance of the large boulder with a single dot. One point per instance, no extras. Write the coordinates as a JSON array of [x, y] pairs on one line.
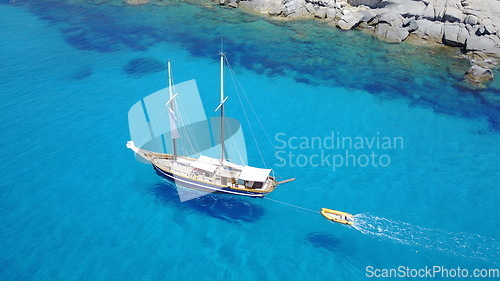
[[486, 28], [350, 20], [393, 19], [300, 13], [409, 8], [489, 27], [429, 29], [275, 10], [410, 24], [479, 74], [439, 9], [322, 3], [264, 6], [484, 44], [369, 3], [390, 33], [321, 12], [233, 4], [311, 8], [471, 19], [429, 12], [455, 35], [247, 5], [483, 9], [453, 14], [368, 15], [331, 13], [293, 7]]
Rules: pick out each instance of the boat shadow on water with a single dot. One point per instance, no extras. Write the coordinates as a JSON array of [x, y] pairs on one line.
[[221, 206]]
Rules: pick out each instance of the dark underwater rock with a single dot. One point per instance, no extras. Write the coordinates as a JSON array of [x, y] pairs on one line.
[[82, 73], [324, 240], [142, 66]]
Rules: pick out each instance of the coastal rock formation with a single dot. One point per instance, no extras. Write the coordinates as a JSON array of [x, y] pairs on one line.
[[478, 74], [368, 3], [390, 33], [473, 26], [349, 20]]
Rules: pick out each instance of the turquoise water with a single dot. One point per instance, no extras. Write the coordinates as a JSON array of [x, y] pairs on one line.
[[75, 205]]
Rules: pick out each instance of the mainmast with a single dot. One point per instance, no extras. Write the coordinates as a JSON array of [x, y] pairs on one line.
[[173, 128], [221, 107], [222, 100]]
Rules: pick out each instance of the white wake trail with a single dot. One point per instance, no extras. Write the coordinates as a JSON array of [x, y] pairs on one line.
[[458, 244]]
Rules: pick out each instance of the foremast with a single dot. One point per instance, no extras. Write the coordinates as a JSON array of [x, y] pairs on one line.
[[171, 109]]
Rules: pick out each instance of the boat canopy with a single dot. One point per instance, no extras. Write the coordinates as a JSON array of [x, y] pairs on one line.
[[205, 163], [209, 160], [204, 166], [254, 174], [232, 165]]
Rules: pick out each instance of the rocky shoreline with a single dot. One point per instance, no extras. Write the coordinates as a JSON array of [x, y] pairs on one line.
[[472, 26]]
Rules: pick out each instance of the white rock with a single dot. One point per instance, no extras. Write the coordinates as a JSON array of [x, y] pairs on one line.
[[322, 3], [410, 24], [276, 10], [453, 14], [429, 12], [431, 29], [321, 12], [350, 20], [479, 74], [482, 43], [233, 4], [455, 35], [368, 15], [310, 8], [472, 20], [331, 13], [300, 13], [439, 9], [293, 7], [247, 5], [391, 18], [410, 9], [369, 3], [390, 34]]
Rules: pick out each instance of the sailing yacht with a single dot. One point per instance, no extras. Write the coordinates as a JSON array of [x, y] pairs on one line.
[[206, 173]]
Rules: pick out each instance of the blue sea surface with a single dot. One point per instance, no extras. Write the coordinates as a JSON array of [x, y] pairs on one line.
[[76, 205]]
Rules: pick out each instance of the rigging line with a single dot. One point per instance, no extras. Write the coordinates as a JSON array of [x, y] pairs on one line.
[[251, 107], [184, 122], [152, 129], [291, 205], [233, 75], [246, 116], [154, 126], [235, 78], [188, 130], [234, 149]]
